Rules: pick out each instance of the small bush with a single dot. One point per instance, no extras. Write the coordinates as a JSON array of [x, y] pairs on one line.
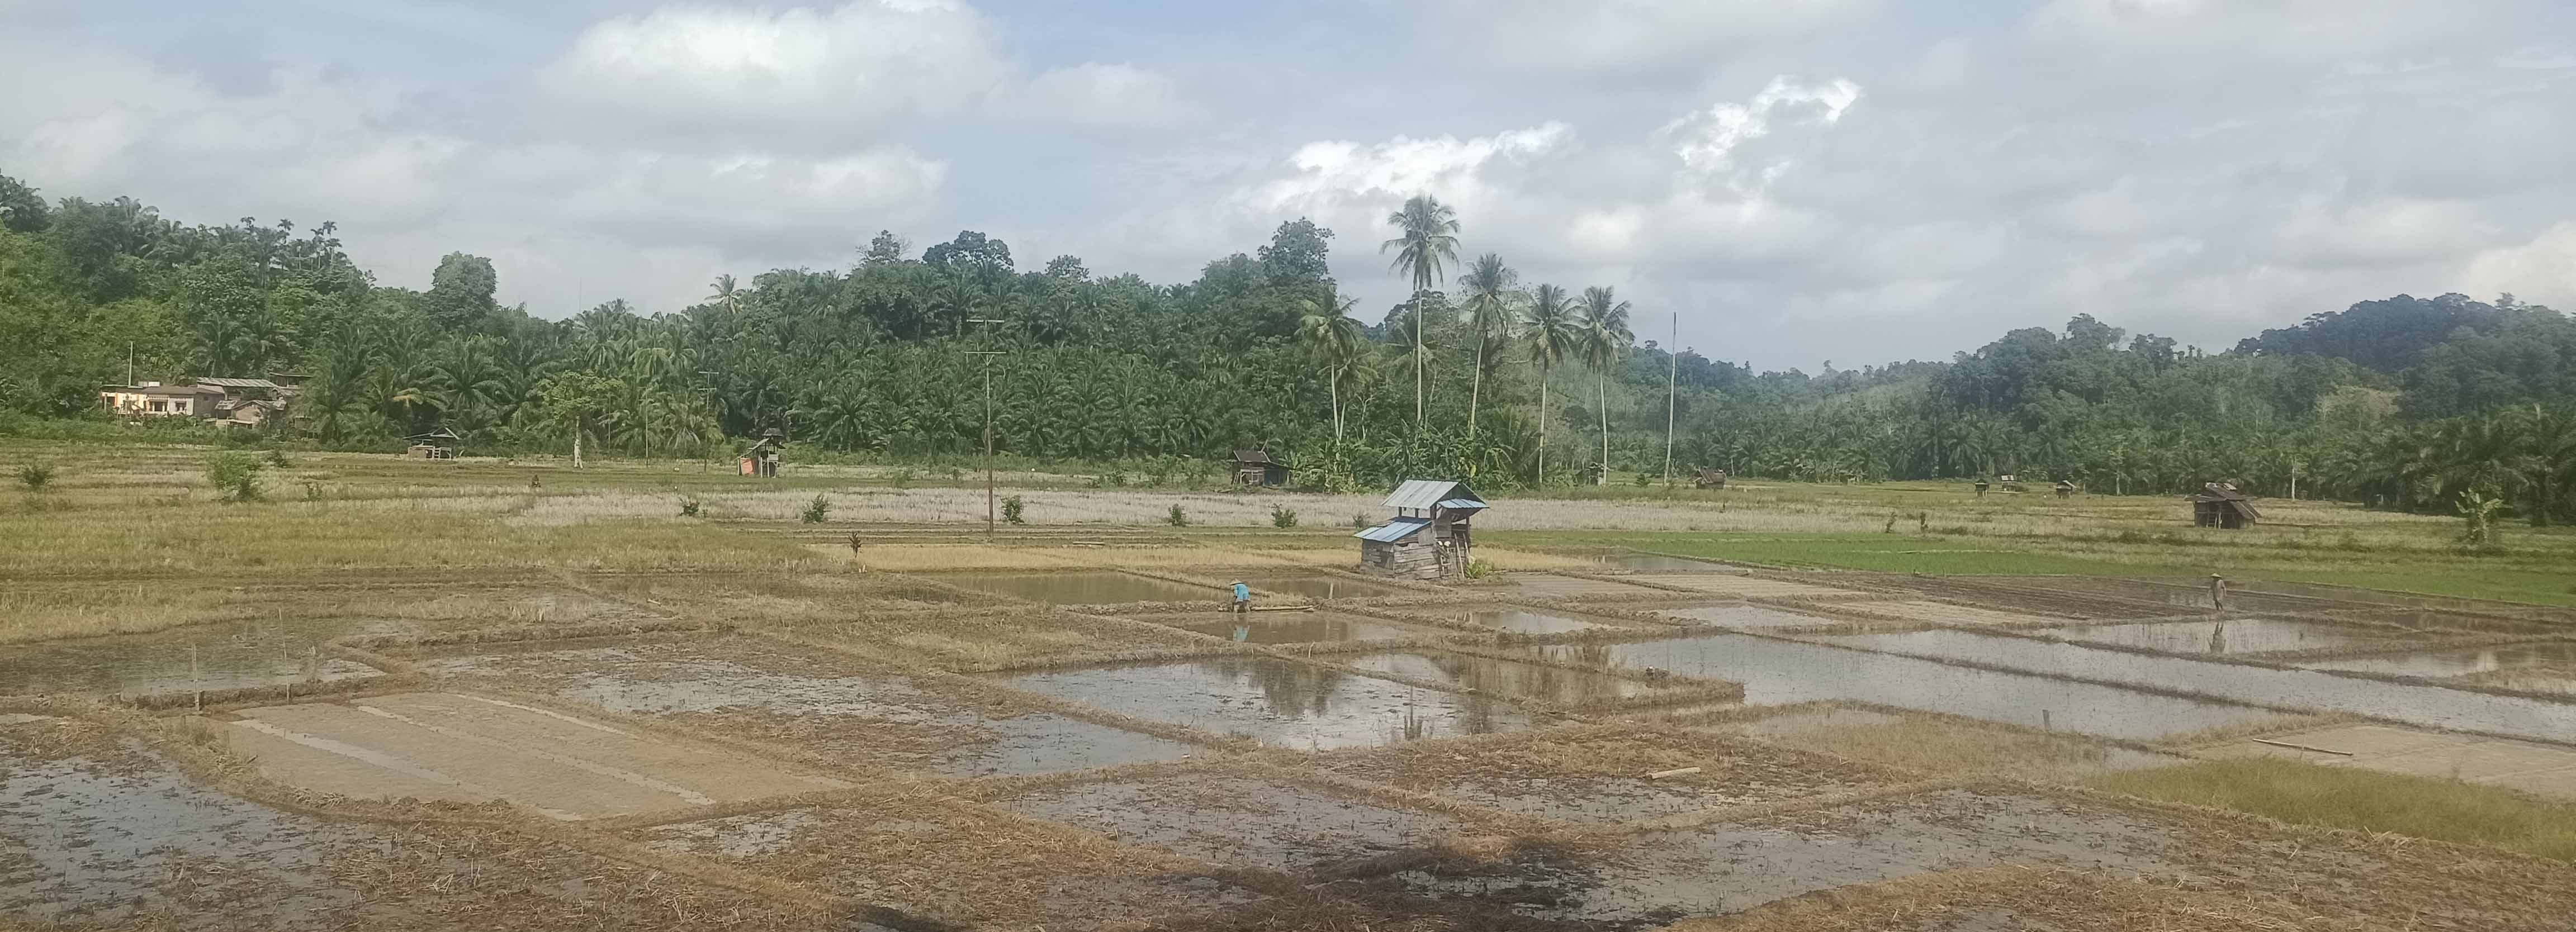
[[1281, 516], [313, 491], [956, 475], [1479, 569], [235, 476], [1359, 521], [35, 476], [902, 477], [1177, 518], [1011, 511], [689, 506], [277, 458], [1644, 480], [818, 508]]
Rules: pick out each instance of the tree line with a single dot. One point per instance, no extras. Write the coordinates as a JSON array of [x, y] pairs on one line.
[[2403, 402]]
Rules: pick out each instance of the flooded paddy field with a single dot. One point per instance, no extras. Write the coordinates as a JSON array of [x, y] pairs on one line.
[[1319, 586], [1621, 776], [1237, 820], [1512, 619], [1521, 681], [1742, 617], [2232, 636], [2546, 660], [1276, 702], [1083, 587], [1546, 586], [1294, 627]]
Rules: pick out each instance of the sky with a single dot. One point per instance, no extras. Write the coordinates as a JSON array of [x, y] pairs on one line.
[[1789, 182]]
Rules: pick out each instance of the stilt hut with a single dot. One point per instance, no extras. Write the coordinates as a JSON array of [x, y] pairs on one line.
[[439, 444], [1428, 538], [1710, 478], [2220, 505], [761, 458], [1258, 468]]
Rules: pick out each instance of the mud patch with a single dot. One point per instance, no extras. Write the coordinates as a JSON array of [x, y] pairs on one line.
[[1275, 702], [756, 689], [1229, 820], [1561, 586], [1748, 587], [1321, 586], [1606, 779], [208, 657], [1658, 563], [1746, 617], [1780, 673], [1299, 628], [1093, 587], [1511, 619]]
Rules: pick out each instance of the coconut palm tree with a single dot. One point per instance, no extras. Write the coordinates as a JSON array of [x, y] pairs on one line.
[[726, 294], [1493, 291], [1549, 325], [1605, 338], [1328, 331], [1428, 241]]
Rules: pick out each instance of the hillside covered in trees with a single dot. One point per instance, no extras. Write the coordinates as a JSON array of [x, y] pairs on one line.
[[2404, 402]]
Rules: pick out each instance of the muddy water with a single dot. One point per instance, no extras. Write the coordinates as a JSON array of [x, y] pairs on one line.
[[1516, 620], [832, 712], [1658, 563], [1743, 616], [1780, 672], [227, 656], [1098, 587], [1267, 824], [2438, 663], [1507, 678], [1721, 869], [1275, 702], [1320, 586], [2421, 705], [1301, 628], [86, 842], [2235, 636]]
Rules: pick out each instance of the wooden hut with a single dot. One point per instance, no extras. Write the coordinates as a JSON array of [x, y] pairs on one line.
[[1258, 468], [761, 458], [1428, 538], [2220, 505], [1710, 479], [438, 444]]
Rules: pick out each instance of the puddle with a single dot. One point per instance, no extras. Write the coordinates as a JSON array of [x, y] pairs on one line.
[[1516, 620], [1258, 823], [1275, 702], [1091, 587], [2442, 663], [883, 720], [85, 842], [1509, 678], [1319, 586], [741, 836], [1744, 616], [1660, 877], [227, 656], [1301, 628], [2421, 705], [1781, 672], [2233, 636]]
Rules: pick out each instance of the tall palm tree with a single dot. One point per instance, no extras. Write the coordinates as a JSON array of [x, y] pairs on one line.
[[1553, 333], [726, 294], [1492, 291], [1328, 330], [1428, 241], [1604, 319]]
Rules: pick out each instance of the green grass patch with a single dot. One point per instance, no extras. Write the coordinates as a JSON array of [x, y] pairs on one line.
[[2364, 800]]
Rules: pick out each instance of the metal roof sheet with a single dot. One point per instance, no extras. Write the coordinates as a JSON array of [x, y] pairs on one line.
[[1395, 530], [1462, 504], [1425, 493], [239, 383]]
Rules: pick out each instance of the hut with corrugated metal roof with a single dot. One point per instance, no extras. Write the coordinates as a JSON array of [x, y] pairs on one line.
[[439, 443], [2220, 505], [761, 458], [1429, 537], [1257, 468]]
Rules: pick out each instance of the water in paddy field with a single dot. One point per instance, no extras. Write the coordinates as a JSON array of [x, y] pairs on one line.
[[1275, 702], [1318, 586], [227, 656], [1781, 672], [2440, 663], [1658, 563], [1517, 620], [1096, 587], [1743, 616], [1508, 677], [2233, 636], [2421, 705], [1274, 825], [1297, 628]]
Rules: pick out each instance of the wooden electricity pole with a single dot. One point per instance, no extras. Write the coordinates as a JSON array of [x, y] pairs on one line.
[[1672, 393], [988, 420]]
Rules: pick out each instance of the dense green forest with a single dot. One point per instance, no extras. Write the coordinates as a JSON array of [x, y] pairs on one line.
[[2434, 404]]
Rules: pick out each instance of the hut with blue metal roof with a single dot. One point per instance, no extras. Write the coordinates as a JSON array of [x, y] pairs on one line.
[[1429, 536]]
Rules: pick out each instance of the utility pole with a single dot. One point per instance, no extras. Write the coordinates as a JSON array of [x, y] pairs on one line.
[[988, 417], [1672, 393], [129, 362]]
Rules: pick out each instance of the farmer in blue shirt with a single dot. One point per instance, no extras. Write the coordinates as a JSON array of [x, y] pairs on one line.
[[1242, 597]]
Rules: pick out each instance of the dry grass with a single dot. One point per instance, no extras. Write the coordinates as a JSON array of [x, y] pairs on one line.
[[1945, 746], [1003, 639], [2013, 897], [1731, 770], [2362, 800]]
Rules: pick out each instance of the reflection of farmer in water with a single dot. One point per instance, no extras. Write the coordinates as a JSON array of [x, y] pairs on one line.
[[1242, 598]]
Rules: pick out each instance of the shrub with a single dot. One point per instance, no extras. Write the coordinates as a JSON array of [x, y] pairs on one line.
[[901, 477], [1177, 518], [35, 476], [1644, 480], [816, 509], [235, 476], [1479, 569], [1359, 521], [689, 506], [1282, 516], [1011, 511], [277, 458], [312, 491]]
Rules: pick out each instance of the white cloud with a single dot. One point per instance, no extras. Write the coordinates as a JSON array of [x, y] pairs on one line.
[[792, 77], [1096, 94], [1629, 35], [1707, 139]]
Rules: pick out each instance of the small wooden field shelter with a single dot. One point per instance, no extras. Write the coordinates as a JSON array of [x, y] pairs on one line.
[[761, 458], [1258, 468], [1710, 479], [2220, 505], [1429, 536], [439, 444]]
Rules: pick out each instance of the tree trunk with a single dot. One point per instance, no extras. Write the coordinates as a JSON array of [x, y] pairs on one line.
[[1476, 386], [576, 446], [1418, 366], [1601, 385], [1542, 423], [1333, 383]]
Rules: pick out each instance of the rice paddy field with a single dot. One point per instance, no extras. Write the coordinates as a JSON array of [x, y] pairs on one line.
[[489, 694]]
